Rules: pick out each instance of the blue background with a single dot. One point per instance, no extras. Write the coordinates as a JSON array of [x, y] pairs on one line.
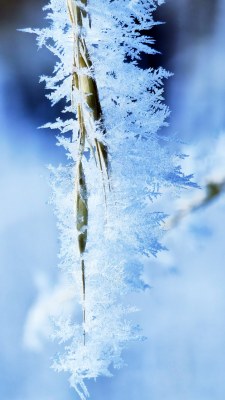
[[183, 314]]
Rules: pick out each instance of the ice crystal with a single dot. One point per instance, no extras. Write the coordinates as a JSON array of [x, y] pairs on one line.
[[103, 198]]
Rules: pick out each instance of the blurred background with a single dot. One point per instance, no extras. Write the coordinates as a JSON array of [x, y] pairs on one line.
[[183, 315]]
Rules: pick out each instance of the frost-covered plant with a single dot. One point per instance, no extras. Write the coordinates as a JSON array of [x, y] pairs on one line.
[[103, 197]]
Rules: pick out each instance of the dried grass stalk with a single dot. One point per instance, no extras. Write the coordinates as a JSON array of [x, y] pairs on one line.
[[83, 80]]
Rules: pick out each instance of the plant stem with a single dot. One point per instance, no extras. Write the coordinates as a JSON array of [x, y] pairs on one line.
[[83, 80]]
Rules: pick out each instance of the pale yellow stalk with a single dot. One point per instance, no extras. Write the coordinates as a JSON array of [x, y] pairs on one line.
[[83, 81]]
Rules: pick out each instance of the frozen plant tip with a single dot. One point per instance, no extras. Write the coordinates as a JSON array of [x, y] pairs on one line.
[[103, 198], [83, 81]]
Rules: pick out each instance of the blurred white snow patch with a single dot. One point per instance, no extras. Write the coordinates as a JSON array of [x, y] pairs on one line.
[[52, 301], [165, 259], [206, 159]]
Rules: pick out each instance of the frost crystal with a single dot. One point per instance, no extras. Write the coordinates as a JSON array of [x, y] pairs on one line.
[[103, 198]]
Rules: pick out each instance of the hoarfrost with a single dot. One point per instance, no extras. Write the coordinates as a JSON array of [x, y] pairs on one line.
[[122, 228]]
